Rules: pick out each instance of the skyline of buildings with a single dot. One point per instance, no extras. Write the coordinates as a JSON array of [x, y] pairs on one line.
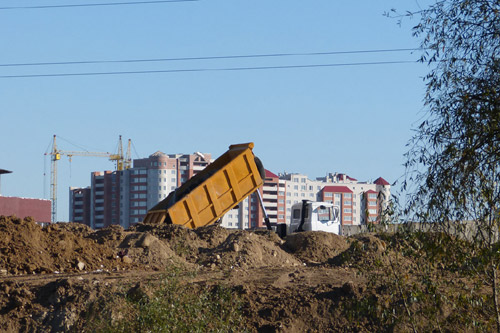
[[124, 197]]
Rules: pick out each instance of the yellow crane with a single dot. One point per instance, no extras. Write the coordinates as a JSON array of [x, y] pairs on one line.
[[122, 163]]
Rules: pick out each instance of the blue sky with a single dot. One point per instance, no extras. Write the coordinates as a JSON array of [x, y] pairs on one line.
[[351, 119]]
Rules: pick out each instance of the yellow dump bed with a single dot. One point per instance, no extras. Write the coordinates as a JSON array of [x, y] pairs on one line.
[[207, 196]]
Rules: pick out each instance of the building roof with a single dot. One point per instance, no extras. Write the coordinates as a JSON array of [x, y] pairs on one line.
[[340, 176], [157, 153], [371, 191], [337, 189], [2, 171], [381, 181], [269, 174]]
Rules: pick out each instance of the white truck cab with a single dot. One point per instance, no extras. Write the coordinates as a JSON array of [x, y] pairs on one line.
[[315, 216]]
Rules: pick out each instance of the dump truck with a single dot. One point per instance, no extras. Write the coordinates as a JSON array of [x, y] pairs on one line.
[[215, 190]]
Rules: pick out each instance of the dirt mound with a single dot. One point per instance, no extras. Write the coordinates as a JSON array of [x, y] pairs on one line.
[[213, 234], [242, 249], [27, 248], [315, 247], [364, 250], [356, 284], [148, 250], [183, 241]]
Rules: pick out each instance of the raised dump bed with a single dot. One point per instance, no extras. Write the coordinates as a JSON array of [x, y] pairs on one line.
[[207, 196]]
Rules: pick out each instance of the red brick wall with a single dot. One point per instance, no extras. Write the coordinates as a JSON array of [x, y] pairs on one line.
[[21, 207]]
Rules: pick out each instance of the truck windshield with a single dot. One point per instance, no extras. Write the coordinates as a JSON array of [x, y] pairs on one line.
[[324, 214]]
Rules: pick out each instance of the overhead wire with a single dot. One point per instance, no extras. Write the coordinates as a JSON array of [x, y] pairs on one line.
[[207, 69], [241, 56], [96, 4]]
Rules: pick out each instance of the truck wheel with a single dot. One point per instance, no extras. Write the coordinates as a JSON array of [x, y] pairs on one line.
[[260, 167]]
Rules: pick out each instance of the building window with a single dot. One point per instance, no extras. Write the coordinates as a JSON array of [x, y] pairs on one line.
[[372, 195], [348, 195], [337, 195], [372, 203], [372, 211], [347, 210], [347, 218], [347, 203], [328, 195]]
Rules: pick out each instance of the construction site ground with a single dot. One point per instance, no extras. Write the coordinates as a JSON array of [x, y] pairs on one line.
[[53, 279]]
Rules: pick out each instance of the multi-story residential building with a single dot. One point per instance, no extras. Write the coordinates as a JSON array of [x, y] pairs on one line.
[[124, 197], [359, 202], [79, 204]]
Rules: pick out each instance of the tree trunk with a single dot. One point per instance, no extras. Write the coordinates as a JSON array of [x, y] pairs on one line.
[[495, 294]]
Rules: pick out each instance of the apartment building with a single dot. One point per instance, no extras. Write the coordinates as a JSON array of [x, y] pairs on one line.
[[124, 197], [359, 202], [79, 205]]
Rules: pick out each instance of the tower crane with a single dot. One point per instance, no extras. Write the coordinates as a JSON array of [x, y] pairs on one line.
[[122, 163]]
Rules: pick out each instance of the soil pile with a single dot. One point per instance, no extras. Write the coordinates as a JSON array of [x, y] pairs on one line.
[[315, 247], [245, 250], [54, 279], [27, 248]]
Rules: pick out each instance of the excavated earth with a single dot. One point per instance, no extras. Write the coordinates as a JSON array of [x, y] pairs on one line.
[[50, 276]]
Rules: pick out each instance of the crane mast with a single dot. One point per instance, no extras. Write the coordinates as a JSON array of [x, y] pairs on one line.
[[122, 163]]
